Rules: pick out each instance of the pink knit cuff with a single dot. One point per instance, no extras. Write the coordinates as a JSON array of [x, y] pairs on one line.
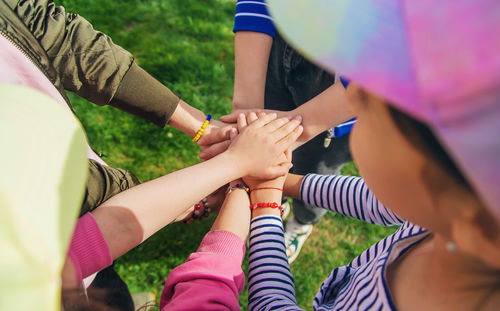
[[88, 250], [224, 243]]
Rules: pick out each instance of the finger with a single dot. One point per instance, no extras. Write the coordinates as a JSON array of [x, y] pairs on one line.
[[278, 170], [230, 118], [286, 129], [291, 138], [281, 159], [288, 154], [260, 122], [251, 117], [215, 149], [233, 116], [276, 124], [242, 122], [188, 219], [218, 136], [233, 134]]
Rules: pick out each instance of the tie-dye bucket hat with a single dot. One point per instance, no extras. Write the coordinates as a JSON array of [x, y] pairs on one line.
[[438, 61], [42, 184]]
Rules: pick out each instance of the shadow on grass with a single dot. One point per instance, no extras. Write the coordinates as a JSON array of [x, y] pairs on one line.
[[146, 267]]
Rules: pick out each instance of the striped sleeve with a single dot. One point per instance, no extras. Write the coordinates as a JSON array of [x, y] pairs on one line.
[[346, 195], [270, 282], [253, 16]]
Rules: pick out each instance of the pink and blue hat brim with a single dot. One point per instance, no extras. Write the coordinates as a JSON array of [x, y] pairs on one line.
[[438, 61]]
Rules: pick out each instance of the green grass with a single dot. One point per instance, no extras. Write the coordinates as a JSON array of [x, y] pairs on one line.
[[188, 46]]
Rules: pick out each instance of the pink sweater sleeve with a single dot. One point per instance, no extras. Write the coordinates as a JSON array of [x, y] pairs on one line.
[[210, 279], [88, 250]]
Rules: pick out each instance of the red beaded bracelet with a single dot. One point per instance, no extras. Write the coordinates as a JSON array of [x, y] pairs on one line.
[[267, 204], [267, 188]]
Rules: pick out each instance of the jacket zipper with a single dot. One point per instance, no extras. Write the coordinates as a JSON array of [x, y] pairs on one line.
[[25, 54], [3, 34]]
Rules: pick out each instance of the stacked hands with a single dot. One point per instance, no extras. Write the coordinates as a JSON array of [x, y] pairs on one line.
[[260, 145]]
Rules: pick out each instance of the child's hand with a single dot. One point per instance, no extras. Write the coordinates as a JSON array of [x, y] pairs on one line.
[[260, 145], [216, 139], [278, 182]]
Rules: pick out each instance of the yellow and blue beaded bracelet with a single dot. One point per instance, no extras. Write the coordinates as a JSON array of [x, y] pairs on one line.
[[202, 129]]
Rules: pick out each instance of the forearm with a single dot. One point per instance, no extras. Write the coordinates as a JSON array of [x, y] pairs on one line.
[[292, 185], [270, 280], [346, 195], [132, 216], [234, 215], [210, 279], [268, 272], [263, 196], [251, 56], [326, 110], [142, 95], [187, 119]]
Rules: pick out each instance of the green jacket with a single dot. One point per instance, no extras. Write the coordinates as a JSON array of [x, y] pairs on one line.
[[80, 59], [75, 57]]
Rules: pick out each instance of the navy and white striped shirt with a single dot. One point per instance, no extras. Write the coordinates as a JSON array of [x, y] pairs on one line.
[[362, 284], [253, 16]]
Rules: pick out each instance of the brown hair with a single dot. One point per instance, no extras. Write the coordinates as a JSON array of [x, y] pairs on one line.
[[422, 138]]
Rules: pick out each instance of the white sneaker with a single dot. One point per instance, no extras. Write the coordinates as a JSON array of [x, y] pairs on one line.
[[295, 236], [286, 209]]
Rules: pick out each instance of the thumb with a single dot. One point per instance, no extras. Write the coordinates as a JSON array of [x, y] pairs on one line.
[[278, 170]]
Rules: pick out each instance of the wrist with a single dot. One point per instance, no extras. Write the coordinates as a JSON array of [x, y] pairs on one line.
[[202, 129], [232, 163], [187, 119], [265, 195], [262, 211]]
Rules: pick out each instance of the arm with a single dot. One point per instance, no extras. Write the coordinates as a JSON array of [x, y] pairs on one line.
[[254, 33], [270, 282], [88, 63], [130, 217], [251, 56], [345, 195], [212, 277], [326, 110]]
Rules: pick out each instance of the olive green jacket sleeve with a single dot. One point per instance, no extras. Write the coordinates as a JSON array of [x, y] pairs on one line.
[[91, 65]]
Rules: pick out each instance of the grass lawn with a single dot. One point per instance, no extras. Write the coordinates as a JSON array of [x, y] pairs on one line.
[[188, 46]]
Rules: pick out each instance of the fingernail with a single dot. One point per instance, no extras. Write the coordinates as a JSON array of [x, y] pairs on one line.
[[298, 118]]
